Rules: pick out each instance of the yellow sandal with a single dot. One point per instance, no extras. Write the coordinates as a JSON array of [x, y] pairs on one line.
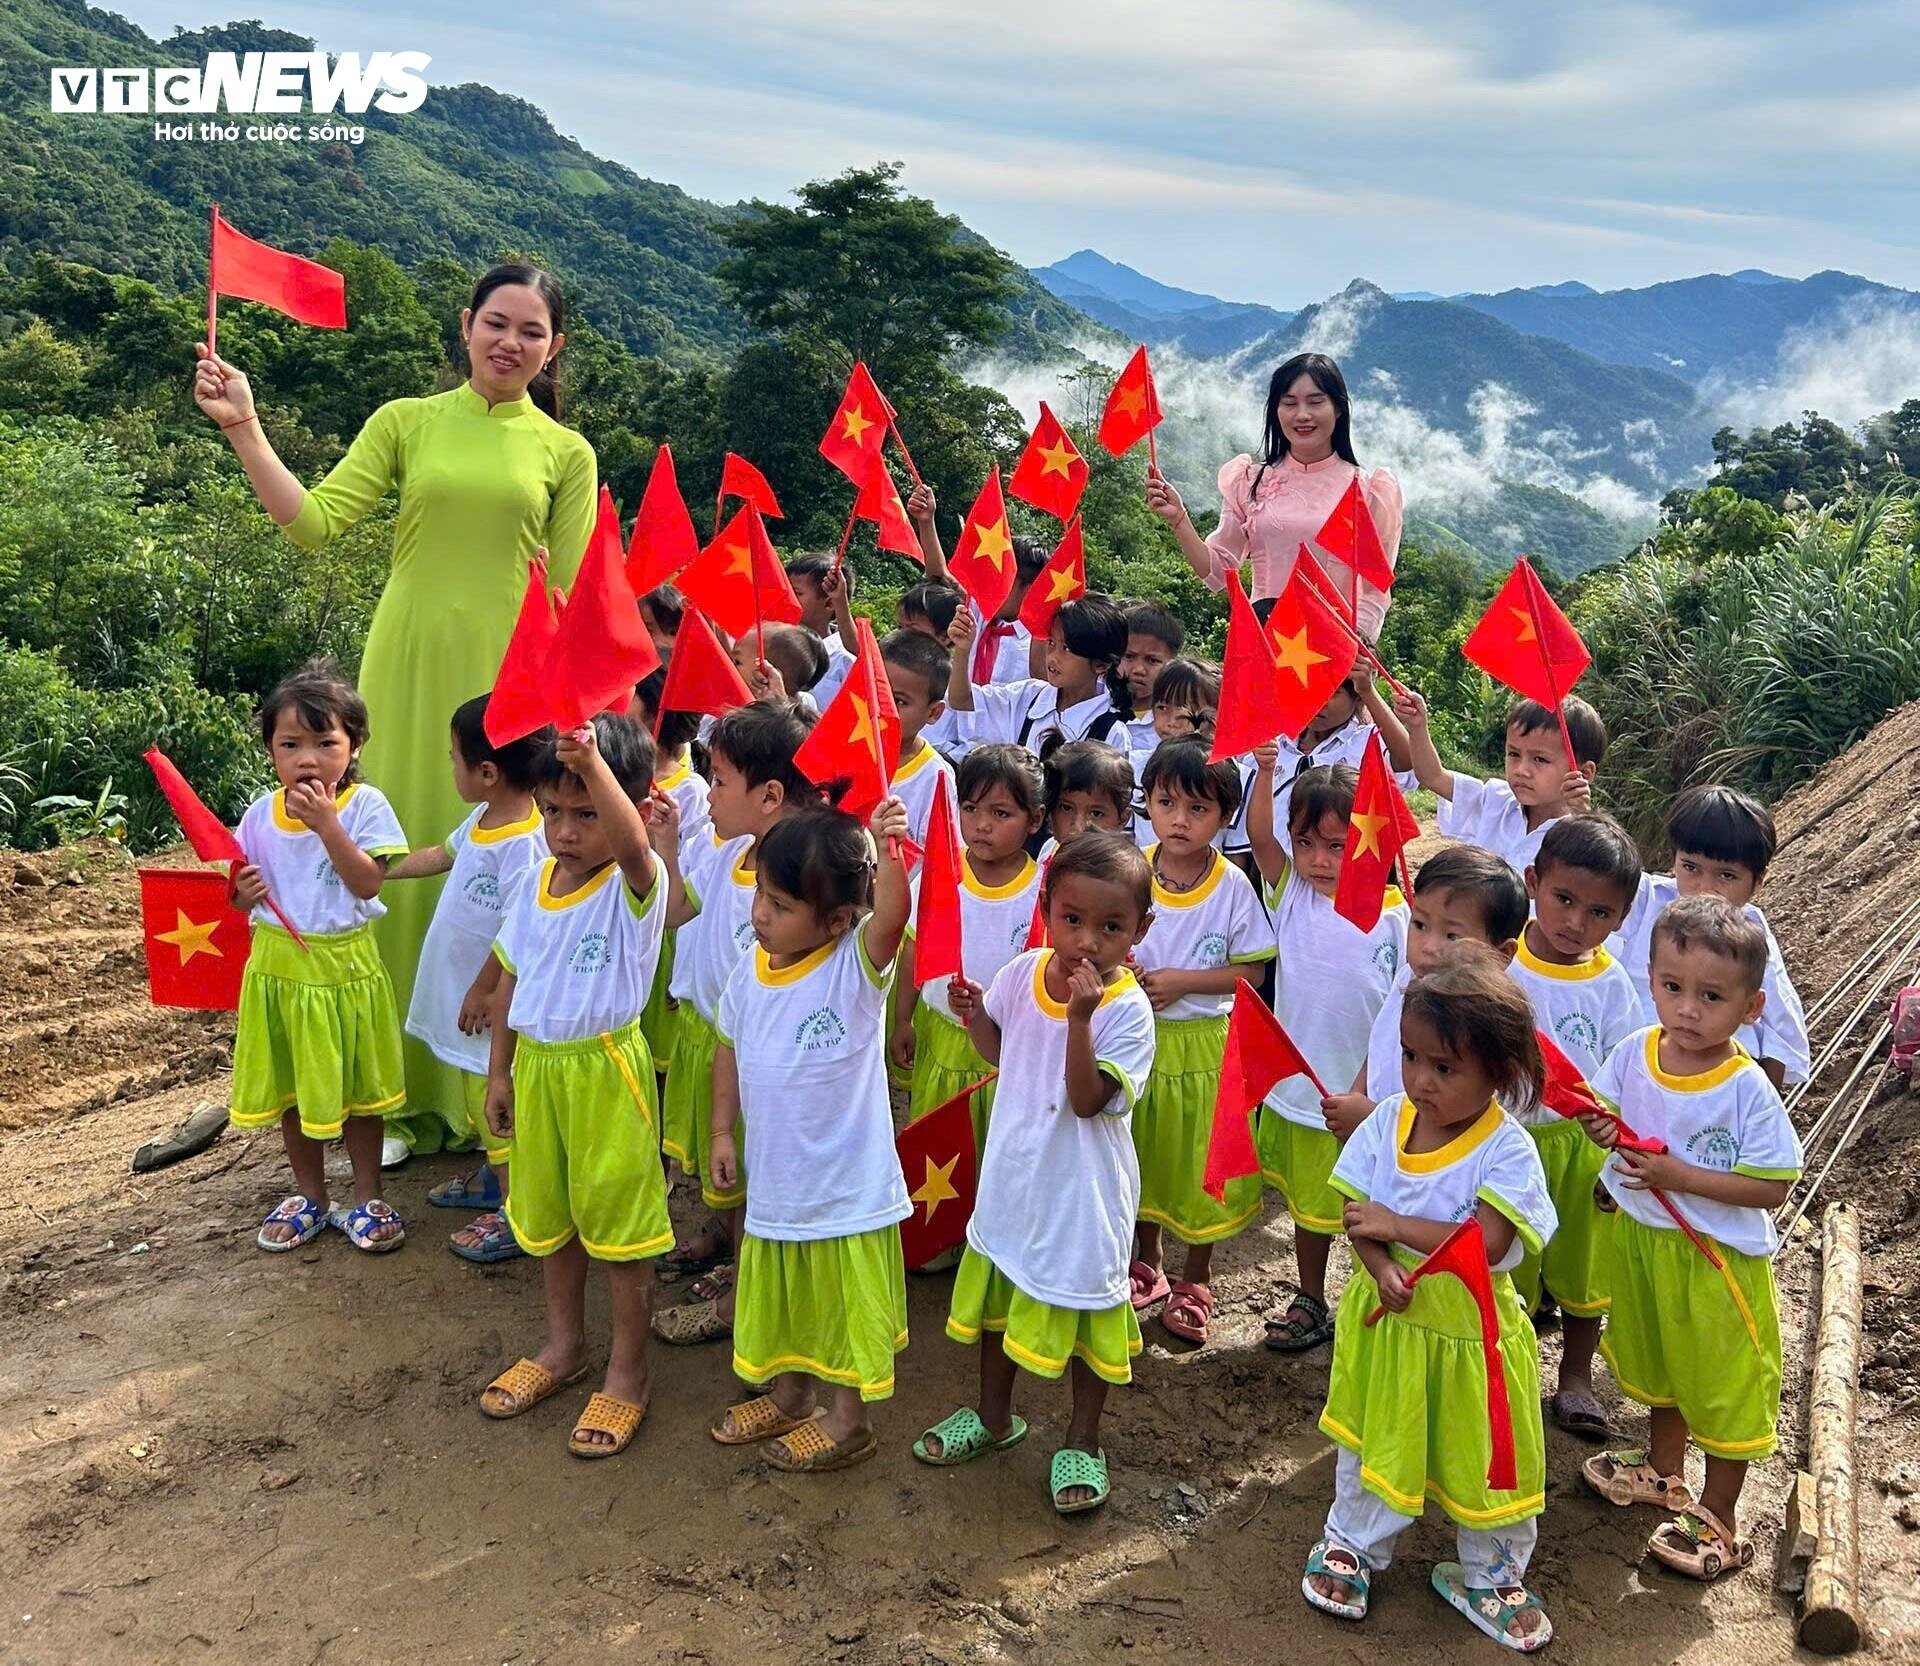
[[607, 1416], [524, 1384], [756, 1420], [809, 1450]]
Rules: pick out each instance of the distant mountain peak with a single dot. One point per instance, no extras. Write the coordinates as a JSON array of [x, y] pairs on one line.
[[1088, 269], [1753, 274]]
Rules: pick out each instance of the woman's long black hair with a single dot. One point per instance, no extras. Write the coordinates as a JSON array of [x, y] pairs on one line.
[[544, 389], [1327, 378]]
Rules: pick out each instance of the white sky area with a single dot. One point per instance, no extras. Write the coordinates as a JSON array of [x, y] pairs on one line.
[[1261, 150]]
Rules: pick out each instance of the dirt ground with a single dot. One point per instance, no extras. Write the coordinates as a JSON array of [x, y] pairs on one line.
[[210, 1456]]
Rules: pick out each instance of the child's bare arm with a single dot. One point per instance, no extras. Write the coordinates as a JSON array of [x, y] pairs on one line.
[[1662, 1171], [1393, 733], [1268, 855], [960, 668], [1431, 773], [424, 863], [964, 996], [725, 1115], [626, 829], [891, 895]]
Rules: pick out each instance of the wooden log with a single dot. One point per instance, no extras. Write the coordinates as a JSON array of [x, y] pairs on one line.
[[1832, 1604]]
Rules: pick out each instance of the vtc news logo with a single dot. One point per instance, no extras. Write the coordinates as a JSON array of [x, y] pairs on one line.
[[254, 83]]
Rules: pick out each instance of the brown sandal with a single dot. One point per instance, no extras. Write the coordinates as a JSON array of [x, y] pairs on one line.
[[1626, 1478], [1700, 1545], [809, 1450], [756, 1420], [523, 1385], [607, 1416], [690, 1323]]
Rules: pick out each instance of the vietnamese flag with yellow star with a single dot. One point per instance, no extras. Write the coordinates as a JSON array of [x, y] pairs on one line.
[[738, 581], [982, 561], [1312, 650], [1350, 536], [1133, 408], [196, 939], [936, 1156], [1062, 580], [852, 752], [858, 428], [1051, 473], [1380, 827], [1526, 642], [879, 502]]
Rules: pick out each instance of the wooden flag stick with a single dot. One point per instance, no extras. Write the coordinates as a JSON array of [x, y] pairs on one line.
[[1324, 585], [213, 291], [846, 537], [719, 505], [899, 439]]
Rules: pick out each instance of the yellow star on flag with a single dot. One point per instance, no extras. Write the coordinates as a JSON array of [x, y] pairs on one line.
[[856, 426], [1294, 655], [938, 1186], [1057, 459], [1060, 586], [1132, 400], [993, 543], [190, 938], [1525, 616], [742, 561], [1368, 824], [863, 732]]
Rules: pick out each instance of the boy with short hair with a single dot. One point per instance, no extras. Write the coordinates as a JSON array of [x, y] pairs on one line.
[[1697, 1341], [1154, 638], [917, 668], [794, 652], [928, 608], [824, 589], [1511, 816]]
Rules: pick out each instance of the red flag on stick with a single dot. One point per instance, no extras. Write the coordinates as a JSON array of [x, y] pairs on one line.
[[1133, 407], [1463, 1252], [879, 502], [1253, 709], [1051, 473], [1380, 827], [1259, 1054], [211, 838], [1349, 535], [936, 1156], [936, 923], [701, 675], [849, 743], [982, 561], [1309, 568], [1313, 649], [858, 429], [739, 478], [1062, 580], [519, 702], [664, 541], [1524, 641], [196, 939], [738, 581], [602, 646], [250, 271]]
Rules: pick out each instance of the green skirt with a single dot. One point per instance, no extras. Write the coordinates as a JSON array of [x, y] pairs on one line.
[[1035, 1335], [1680, 1333], [1575, 1261], [1298, 1163], [833, 1308], [660, 1017], [585, 1157], [1172, 1126], [944, 1062], [317, 1030], [1408, 1397], [688, 1138]]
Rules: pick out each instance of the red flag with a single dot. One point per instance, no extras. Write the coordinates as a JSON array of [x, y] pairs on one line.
[[1380, 827], [739, 478], [879, 502], [1037, 925], [1463, 1252], [664, 541], [1259, 1054], [211, 838], [196, 939], [1526, 642], [867, 650], [1133, 408], [859, 426], [1062, 580], [1312, 649], [1252, 710], [1051, 473], [602, 647], [982, 561], [936, 1156], [849, 743], [250, 271], [936, 923], [701, 675], [519, 702], [738, 581], [1349, 535]]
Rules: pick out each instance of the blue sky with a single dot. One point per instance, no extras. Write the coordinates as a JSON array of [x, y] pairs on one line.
[[1263, 150]]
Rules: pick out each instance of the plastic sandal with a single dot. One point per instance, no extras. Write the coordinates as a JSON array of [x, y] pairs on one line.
[[1146, 1285], [1331, 1561], [714, 1283], [1577, 1411], [1288, 1336], [1073, 1468], [963, 1437], [1491, 1611], [1626, 1478], [810, 1450], [477, 1190], [521, 1387], [607, 1416], [1700, 1545], [358, 1224], [756, 1420], [308, 1220], [691, 1323], [486, 1239], [1188, 1312]]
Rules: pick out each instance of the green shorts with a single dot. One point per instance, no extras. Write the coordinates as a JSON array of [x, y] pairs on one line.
[[1575, 1262], [1297, 1162], [473, 1105], [585, 1155], [834, 1308], [1036, 1335]]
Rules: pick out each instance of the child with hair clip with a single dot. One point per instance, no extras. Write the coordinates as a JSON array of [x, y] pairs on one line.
[[1083, 697], [998, 789], [1088, 784], [801, 1063], [1043, 1283], [488, 857], [316, 1043], [1208, 932], [1407, 1402], [571, 1080], [1330, 981]]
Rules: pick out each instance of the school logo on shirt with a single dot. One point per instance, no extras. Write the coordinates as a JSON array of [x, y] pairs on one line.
[[1386, 958], [483, 891], [1577, 1030], [1211, 950], [820, 1030], [743, 936], [1714, 1148], [589, 954], [326, 875]]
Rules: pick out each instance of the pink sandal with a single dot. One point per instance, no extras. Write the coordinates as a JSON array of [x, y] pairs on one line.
[[1188, 1311], [1146, 1285]]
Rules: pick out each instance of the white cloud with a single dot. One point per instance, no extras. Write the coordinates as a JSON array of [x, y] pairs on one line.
[[1335, 325], [1863, 360]]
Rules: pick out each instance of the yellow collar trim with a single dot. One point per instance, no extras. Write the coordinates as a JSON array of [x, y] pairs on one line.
[[287, 824], [1701, 1081], [994, 893], [673, 778], [1057, 1010], [910, 767], [1463, 1144], [1594, 966], [512, 830], [742, 875], [765, 970], [1163, 898], [551, 866]]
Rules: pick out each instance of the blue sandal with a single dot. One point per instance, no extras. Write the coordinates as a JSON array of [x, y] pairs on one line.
[[489, 1239], [308, 1220], [359, 1222], [478, 1190], [1074, 1468], [1351, 1570], [1490, 1611]]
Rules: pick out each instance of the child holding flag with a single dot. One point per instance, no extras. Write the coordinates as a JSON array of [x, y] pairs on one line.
[[1084, 696], [917, 668], [1412, 1172]]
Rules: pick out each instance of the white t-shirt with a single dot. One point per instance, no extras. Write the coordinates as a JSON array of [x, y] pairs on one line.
[[1218, 923], [688, 790], [994, 923], [1026, 713], [1058, 1192], [1385, 1079], [709, 946], [489, 866], [1346, 745], [915, 783], [1485, 813], [583, 964], [1012, 656], [1329, 986], [1491, 1160], [1782, 1031], [1588, 1010], [300, 875], [1728, 1119], [808, 1044], [839, 664]]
